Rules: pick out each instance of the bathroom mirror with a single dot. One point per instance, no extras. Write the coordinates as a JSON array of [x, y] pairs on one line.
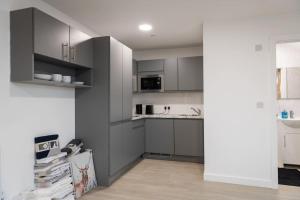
[[288, 83]]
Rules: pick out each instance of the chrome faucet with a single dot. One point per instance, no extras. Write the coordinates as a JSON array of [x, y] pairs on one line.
[[196, 110], [292, 113]]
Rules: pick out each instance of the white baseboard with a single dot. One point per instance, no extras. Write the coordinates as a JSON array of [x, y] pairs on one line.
[[240, 180]]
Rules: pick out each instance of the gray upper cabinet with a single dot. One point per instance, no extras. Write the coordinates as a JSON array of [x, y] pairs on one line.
[[151, 66], [40, 44], [121, 81], [189, 137], [51, 36], [81, 48], [159, 136], [127, 83], [134, 76], [134, 67], [190, 73], [171, 74], [116, 80]]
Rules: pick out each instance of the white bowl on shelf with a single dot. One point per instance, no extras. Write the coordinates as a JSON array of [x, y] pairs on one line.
[[57, 77], [67, 79], [46, 77]]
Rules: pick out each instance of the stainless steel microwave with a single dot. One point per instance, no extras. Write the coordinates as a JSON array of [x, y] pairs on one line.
[[151, 82]]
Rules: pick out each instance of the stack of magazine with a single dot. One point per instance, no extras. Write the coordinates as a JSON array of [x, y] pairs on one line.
[[52, 174]]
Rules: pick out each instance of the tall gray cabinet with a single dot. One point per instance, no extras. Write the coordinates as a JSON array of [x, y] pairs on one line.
[[103, 113]]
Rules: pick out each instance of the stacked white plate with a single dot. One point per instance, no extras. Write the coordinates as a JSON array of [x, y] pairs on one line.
[[78, 83], [46, 77]]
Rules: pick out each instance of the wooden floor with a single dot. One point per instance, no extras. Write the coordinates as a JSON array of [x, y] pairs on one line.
[[170, 180]]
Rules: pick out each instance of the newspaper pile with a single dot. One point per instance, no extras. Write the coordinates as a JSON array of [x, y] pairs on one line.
[[52, 171]]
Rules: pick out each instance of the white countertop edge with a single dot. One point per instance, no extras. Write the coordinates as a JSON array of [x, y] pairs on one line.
[[165, 117]]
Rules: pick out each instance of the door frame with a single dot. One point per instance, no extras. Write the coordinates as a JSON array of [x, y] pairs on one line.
[[273, 106]]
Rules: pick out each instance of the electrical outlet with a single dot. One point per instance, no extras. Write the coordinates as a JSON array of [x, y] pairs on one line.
[[169, 108], [165, 108]]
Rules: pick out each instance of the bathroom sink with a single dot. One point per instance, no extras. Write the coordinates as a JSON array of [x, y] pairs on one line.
[[293, 123]]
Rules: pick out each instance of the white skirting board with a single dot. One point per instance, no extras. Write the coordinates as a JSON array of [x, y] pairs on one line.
[[240, 180], [1, 191]]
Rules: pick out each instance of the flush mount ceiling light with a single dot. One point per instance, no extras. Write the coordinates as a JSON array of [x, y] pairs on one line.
[[145, 27]]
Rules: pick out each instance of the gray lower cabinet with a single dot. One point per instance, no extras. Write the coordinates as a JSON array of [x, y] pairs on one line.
[[126, 145], [190, 73], [151, 66], [189, 137], [171, 74], [159, 136], [51, 36], [81, 48], [138, 139], [117, 147]]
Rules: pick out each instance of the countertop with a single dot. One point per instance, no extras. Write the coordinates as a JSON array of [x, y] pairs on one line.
[[166, 116]]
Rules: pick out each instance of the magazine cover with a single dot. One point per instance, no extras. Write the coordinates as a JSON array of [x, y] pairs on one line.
[[83, 172]]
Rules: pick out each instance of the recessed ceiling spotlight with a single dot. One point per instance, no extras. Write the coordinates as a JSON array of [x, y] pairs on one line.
[[145, 27]]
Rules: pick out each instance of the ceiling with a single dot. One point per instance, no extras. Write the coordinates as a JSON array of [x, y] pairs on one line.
[[176, 23]]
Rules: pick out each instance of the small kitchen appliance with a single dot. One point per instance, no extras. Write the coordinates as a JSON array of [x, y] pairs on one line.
[[149, 110], [139, 109]]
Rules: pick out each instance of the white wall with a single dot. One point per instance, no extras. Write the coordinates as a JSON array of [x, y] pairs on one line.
[[167, 53], [240, 138], [28, 110]]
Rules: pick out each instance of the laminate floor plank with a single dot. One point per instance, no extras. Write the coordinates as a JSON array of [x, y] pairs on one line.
[[171, 180]]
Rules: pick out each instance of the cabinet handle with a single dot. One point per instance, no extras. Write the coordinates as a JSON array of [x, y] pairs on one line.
[[284, 141], [73, 53], [65, 51]]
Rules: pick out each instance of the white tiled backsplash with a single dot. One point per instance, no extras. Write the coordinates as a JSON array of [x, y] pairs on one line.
[[168, 98], [180, 103]]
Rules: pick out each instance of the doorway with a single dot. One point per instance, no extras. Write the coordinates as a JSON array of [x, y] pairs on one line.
[[288, 111]]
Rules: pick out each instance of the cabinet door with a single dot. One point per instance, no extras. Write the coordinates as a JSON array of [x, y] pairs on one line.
[[138, 142], [117, 147], [292, 149], [190, 73], [159, 136], [116, 81], [189, 137], [127, 83], [134, 67], [151, 66], [51, 37], [81, 48], [171, 74], [134, 76], [128, 154]]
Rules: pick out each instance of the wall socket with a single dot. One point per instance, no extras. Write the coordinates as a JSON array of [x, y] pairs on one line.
[[260, 105]]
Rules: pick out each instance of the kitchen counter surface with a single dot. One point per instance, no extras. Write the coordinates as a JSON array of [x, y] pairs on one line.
[[166, 116]]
